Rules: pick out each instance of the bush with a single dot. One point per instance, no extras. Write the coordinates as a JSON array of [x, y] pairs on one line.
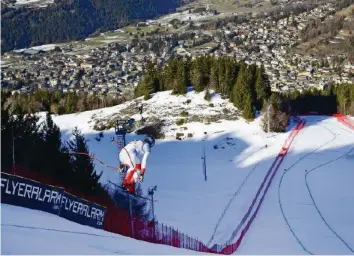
[[188, 101], [110, 124], [147, 96], [211, 105], [190, 135], [180, 121], [179, 135], [278, 122], [184, 113], [154, 129], [99, 127], [225, 111], [207, 95]]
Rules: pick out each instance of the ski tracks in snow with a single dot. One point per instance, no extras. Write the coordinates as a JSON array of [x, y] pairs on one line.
[[314, 202], [234, 196], [309, 190]]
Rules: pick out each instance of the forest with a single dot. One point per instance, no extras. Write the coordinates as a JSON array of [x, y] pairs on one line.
[[57, 102], [73, 20], [246, 86]]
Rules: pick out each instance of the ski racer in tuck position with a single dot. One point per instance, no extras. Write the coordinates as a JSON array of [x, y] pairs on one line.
[[134, 156]]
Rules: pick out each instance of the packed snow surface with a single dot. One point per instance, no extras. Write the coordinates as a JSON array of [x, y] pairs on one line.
[[26, 231], [309, 206]]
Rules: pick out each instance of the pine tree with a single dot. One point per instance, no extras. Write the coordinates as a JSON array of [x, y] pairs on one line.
[[222, 79], [57, 163], [85, 176], [251, 77], [263, 90], [214, 76], [6, 133], [238, 90], [248, 112], [182, 77], [197, 76]]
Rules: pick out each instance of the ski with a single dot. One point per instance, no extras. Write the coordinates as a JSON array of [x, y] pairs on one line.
[[125, 190]]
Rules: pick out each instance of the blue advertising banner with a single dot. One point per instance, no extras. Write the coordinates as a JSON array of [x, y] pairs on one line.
[[20, 191], [81, 211]]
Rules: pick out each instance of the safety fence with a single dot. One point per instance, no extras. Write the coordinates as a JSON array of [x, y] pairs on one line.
[[345, 120], [118, 220]]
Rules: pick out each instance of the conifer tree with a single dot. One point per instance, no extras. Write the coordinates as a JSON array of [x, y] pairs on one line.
[[262, 87], [238, 92], [214, 76], [248, 112], [85, 175], [197, 75], [182, 78]]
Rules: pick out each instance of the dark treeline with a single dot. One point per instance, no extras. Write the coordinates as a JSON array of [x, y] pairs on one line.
[[58, 102], [38, 147], [334, 99], [73, 20], [246, 86]]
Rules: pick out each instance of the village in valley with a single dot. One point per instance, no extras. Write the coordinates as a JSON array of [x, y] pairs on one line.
[[113, 62]]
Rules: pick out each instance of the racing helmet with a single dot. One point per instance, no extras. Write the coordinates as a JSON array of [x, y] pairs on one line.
[[150, 140]]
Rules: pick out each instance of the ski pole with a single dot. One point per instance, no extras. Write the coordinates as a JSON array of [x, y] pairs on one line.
[[96, 159]]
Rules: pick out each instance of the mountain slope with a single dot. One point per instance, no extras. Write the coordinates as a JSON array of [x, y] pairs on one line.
[[73, 20], [237, 162]]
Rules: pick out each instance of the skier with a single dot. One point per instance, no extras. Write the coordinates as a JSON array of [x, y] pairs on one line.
[[134, 156]]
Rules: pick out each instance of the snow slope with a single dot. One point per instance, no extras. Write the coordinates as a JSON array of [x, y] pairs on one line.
[[302, 212], [26, 231]]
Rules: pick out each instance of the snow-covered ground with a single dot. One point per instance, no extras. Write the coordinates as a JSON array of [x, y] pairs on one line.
[[303, 211], [26, 231], [44, 47], [184, 16], [39, 2]]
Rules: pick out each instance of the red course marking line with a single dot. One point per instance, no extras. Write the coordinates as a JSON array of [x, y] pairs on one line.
[[233, 247]]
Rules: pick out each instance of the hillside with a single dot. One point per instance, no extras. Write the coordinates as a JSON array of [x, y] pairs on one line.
[[73, 20], [303, 210], [332, 35], [48, 234]]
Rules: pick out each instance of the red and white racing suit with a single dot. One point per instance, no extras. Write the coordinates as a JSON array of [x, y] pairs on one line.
[[134, 155]]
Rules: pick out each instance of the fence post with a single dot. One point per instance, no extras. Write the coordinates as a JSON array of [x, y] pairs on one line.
[[163, 234], [171, 240], [154, 230], [131, 216], [163, 237]]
